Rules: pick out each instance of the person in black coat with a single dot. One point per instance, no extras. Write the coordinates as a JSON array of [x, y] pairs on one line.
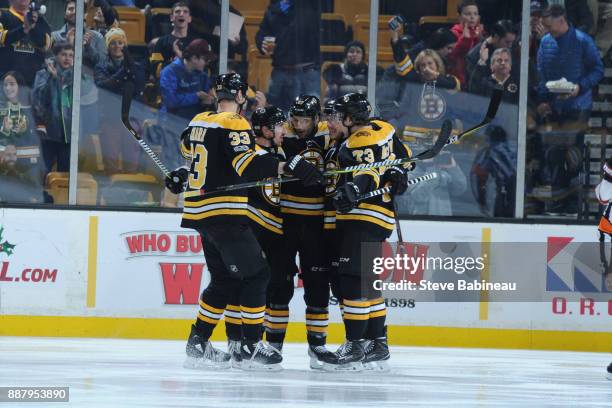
[[111, 75], [290, 34], [485, 79]]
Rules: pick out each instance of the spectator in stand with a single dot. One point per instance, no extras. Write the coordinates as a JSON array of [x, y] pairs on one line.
[[170, 46], [105, 16], [391, 86], [428, 96], [184, 83], [18, 133], [93, 42], [17, 124], [290, 34], [503, 35], [485, 80], [52, 101], [441, 41], [111, 74], [206, 24], [566, 52], [24, 40], [351, 75], [468, 32], [16, 183]]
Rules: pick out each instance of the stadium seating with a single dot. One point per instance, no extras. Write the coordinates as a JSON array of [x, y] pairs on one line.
[[350, 9], [57, 186], [132, 21], [133, 189], [361, 29]]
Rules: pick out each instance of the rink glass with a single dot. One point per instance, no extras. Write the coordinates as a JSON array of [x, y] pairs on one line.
[[114, 172]]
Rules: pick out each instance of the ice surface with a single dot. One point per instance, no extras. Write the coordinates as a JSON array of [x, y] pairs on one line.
[[149, 373]]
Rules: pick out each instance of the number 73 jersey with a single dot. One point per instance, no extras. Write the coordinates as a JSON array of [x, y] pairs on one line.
[[373, 143], [221, 151]]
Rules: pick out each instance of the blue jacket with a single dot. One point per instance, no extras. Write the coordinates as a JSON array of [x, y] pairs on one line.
[[575, 57], [179, 89]]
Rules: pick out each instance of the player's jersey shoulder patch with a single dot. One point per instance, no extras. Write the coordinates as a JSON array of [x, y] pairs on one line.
[[224, 120], [371, 136]]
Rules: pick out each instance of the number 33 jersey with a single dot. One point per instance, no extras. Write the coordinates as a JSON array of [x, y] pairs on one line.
[[373, 143], [221, 148]]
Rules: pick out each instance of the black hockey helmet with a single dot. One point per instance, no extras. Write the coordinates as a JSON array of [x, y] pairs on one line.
[[330, 107], [607, 170], [306, 105], [356, 105], [228, 85], [268, 116]]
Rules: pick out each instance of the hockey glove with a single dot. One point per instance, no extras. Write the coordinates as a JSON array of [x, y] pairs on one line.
[[346, 197], [303, 170], [177, 180], [398, 180]]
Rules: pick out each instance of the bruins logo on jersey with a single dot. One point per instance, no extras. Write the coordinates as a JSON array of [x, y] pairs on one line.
[[331, 182], [315, 158], [271, 193], [432, 106]]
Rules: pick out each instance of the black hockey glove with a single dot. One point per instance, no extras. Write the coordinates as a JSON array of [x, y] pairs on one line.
[[346, 197], [398, 180], [177, 180], [303, 170]]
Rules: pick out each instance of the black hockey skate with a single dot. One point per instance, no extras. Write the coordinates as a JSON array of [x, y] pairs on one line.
[[316, 354], [233, 348], [348, 357], [260, 357], [377, 354], [201, 354], [610, 372]]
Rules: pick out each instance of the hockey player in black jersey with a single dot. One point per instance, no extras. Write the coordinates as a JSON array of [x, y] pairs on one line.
[[220, 150], [267, 225], [302, 212], [361, 225], [330, 239]]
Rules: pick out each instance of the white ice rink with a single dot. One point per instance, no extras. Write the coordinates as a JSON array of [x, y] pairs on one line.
[[148, 373]]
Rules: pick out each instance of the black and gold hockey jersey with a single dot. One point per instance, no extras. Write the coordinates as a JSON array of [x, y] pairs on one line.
[[331, 183], [373, 143], [296, 199], [264, 201], [221, 148]]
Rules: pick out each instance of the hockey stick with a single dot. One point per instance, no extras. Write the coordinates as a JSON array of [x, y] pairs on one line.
[[443, 138], [494, 103], [385, 190], [398, 228], [126, 102]]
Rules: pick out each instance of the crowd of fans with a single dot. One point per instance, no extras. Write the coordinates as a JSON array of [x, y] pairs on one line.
[[439, 72]]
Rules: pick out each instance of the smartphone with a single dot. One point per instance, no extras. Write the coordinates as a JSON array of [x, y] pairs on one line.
[[396, 22]]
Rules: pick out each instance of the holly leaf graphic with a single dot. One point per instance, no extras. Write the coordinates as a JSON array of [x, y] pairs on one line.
[[5, 246]]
